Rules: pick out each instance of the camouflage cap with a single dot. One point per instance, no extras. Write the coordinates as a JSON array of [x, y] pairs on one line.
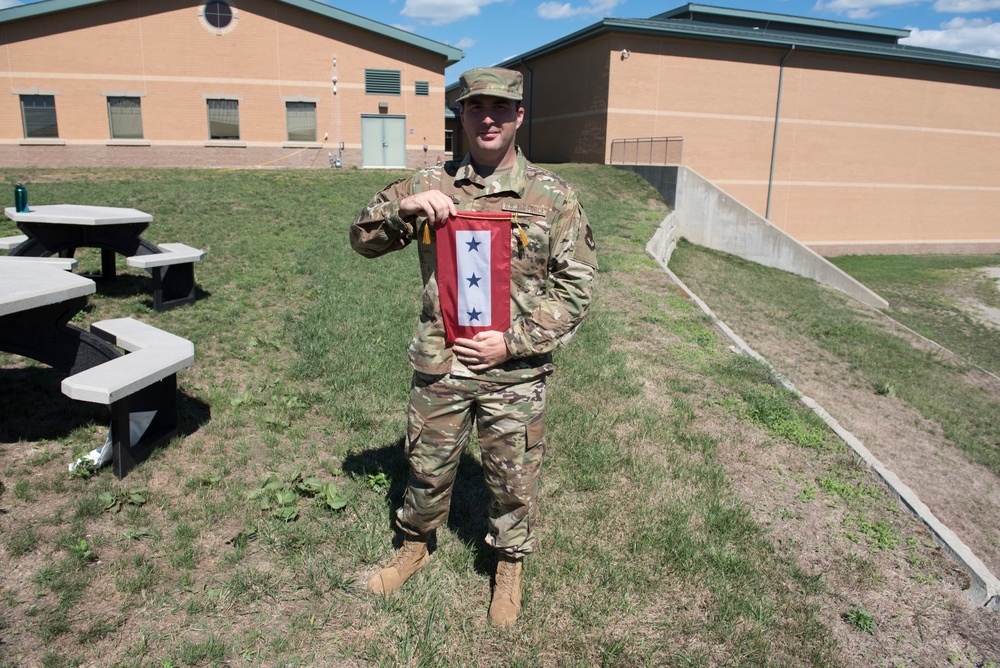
[[495, 81]]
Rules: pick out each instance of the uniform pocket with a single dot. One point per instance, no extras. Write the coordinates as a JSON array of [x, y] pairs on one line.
[[414, 427], [535, 432]]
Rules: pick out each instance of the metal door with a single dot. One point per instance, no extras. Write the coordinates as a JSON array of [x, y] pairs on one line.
[[383, 141]]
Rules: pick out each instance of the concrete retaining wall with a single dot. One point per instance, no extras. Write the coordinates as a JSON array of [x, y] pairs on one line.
[[708, 216]]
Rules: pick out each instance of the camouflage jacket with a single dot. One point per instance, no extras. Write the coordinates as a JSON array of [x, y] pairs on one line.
[[551, 275]]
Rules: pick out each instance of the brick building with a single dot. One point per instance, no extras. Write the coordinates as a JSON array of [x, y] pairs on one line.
[[841, 136], [216, 83]]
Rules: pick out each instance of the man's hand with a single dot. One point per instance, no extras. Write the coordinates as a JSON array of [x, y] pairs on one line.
[[431, 203], [485, 350]]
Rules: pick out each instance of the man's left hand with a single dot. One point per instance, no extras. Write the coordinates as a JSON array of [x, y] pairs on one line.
[[485, 350]]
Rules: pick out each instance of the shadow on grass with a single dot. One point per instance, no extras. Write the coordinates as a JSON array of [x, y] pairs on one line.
[[33, 409], [469, 498], [136, 285]]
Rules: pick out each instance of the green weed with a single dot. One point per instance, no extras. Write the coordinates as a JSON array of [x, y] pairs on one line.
[[860, 619], [120, 497]]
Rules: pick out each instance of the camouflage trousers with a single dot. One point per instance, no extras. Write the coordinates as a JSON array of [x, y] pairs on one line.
[[510, 418]]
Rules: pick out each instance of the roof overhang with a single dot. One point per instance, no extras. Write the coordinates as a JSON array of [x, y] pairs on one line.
[[693, 8], [450, 53], [776, 39]]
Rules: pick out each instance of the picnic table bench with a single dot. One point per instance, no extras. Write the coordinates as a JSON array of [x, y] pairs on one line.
[[37, 300], [59, 229], [173, 274], [139, 387]]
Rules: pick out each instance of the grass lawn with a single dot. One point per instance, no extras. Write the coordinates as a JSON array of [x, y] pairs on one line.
[[935, 295], [692, 514]]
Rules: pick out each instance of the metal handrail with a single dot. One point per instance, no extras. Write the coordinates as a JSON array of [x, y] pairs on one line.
[[647, 151]]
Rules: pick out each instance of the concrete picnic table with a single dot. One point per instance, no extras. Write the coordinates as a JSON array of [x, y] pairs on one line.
[[62, 228], [38, 297], [37, 301]]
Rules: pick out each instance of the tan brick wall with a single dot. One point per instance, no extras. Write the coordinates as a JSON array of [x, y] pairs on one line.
[[870, 153], [566, 95], [163, 51]]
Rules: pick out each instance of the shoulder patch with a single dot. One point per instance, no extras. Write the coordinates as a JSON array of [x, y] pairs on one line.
[[523, 207]]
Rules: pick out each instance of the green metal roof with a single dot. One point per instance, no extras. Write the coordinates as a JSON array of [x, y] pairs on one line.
[[450, 53], [831, 36], [692, 9]]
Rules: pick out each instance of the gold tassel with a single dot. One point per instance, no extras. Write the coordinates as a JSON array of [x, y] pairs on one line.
[[427, 233], [516, 219]]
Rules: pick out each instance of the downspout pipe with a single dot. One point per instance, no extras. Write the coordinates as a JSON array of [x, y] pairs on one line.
[[531, 97], [777, 119]]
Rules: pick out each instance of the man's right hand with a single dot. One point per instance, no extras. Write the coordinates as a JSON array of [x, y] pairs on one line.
[[434, 204]]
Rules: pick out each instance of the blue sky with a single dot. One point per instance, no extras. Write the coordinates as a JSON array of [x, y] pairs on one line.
[[489, 31]]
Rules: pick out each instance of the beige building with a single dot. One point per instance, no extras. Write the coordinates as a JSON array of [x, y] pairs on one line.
[[838, 134], [216, 83]]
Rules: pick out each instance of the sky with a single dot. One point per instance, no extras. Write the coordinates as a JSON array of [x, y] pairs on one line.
[[491, 31]]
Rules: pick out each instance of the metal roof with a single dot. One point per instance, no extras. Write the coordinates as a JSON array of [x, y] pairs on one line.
[[450, 53], [835, 37], [771, 17]]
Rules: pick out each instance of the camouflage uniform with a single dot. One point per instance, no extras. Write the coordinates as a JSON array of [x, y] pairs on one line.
[[553, 260]]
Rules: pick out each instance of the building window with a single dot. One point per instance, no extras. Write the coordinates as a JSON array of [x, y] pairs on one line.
[[301, 120], [125, 117], [218, 14], [382, 82], [223, 119], [218, 17], [39, 115], [421, 88], [449, 146]]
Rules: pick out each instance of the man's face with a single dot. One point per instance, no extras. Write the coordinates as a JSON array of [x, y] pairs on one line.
[[491, 124]]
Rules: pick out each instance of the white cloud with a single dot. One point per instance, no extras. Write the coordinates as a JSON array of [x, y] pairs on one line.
[[440, 12], [465, 43], [7, 4], [980, 37], [859, 9], [407, 28], [564, 10], [965, 6]]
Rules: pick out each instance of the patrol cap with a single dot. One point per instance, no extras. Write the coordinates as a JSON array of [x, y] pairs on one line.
[[495, 81]]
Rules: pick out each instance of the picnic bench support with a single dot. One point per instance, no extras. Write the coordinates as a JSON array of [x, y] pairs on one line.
[[172, 268], [43, 334], [160, 397], [46, 239], [143, 381]]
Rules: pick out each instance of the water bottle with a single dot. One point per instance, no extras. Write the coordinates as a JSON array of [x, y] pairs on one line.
[[20, 198]]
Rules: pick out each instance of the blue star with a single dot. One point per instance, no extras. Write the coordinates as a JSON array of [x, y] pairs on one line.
[[473, 245], [474, 314], [474, 281]]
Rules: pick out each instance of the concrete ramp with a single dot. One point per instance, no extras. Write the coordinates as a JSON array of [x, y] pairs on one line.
[[706, 215]]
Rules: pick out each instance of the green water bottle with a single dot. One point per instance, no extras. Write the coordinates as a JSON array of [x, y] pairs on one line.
[[20, 198]]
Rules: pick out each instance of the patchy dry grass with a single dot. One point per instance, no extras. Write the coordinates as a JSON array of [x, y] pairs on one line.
[[692, 513]]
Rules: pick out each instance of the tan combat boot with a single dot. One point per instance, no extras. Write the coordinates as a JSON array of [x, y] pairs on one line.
[[410, 558], [506, 604]]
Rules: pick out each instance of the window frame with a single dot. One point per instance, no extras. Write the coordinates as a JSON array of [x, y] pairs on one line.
[[207, 23], [230, 17], [209, 100], [422, 88], [290, 104], [32, 133], [111, 117]]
